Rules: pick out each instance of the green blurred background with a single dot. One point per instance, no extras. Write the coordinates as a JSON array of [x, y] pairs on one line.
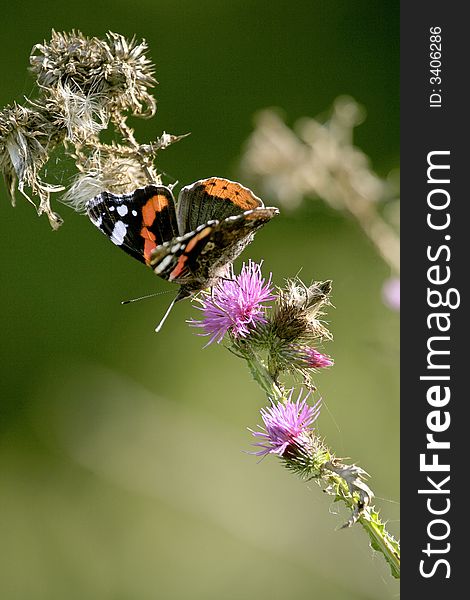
[[122, 474]]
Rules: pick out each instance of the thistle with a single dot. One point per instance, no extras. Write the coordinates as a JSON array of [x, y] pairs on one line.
[[235, 306], [85, 86], [89, 85], [289, 434], [280, 339]]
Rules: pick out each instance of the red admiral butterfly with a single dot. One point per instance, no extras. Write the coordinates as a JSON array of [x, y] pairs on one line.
[[192, 244]]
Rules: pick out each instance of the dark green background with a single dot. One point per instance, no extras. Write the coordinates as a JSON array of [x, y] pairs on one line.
[[122, 474]]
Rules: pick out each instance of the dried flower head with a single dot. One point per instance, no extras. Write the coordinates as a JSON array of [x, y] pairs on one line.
[[290, 337], [27, 137], [235, 306], [85, 85], [110, 167], [115, 69], [80, 117], [316, 158], [298, 309]]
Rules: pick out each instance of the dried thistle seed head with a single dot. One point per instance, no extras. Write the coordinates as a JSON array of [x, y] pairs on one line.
[[115, 168], [80, 117], [130, 74], [68, 58], [311, 298], [85, 85], [297, 309], [116, 70], [109, 168], [26, 140], [316, 158]]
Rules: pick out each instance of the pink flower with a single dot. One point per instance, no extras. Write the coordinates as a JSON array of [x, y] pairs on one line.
[[391, 293], [287, 426], [235, 305], [315, 359]]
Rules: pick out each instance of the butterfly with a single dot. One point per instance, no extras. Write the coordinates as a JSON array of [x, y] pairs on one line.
[[191, 242]]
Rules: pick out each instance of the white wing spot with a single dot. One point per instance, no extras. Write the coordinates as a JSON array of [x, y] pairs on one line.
[[122, 210], [134, 213], [164, 263], [119, 233], [111, 208]]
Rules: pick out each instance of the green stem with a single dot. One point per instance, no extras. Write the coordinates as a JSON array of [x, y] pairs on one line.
[[368, 517], [345, 482], [262, 376], [381, 540]]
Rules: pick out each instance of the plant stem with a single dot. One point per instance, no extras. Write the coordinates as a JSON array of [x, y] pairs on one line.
[[381, 540], [345, 482], [366, 515], [262, 376]]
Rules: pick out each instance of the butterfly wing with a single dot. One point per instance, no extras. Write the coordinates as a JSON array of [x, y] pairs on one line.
[[178, 260], [216, 219], [136, 222], [232, 235], [213, 198], [200, 256]]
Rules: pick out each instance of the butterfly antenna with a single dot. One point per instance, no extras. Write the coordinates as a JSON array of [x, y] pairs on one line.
[[181, 295], [160, 325], [145, 297]]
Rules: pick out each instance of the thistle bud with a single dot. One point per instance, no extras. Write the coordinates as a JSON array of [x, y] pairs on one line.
[[297, 310]]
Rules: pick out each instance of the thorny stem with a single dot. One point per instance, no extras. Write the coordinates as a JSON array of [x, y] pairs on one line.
[[262, 376], [381, 540], [361, 511], [344, 482]]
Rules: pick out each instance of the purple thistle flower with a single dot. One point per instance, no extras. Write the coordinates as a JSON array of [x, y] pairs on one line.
[[236, 305], [315, 359], [287, 426]]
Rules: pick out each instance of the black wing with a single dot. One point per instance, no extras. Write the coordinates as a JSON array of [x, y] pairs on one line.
[[137, 222]]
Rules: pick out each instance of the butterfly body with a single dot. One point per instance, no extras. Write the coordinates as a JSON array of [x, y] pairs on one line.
[[191, 242]]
